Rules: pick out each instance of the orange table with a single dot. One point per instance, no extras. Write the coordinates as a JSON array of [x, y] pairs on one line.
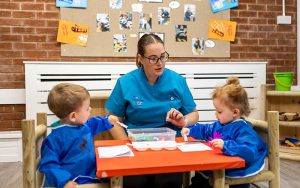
[[164, 161]]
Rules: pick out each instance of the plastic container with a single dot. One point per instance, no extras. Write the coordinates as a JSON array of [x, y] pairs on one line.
[[151, 134], [283, 81]]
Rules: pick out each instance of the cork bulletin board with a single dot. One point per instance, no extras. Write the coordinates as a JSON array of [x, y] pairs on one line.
[[103, 41]]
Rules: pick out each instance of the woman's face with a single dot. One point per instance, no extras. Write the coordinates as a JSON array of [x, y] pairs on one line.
[[153, 70]]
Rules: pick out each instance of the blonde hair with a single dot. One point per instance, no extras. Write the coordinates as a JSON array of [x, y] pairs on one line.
[[233, 95], [65, 98]]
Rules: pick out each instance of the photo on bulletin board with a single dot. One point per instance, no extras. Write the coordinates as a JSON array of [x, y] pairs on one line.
[[115, 27]]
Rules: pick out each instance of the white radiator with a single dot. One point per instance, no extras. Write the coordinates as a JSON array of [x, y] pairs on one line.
[[99, 77]]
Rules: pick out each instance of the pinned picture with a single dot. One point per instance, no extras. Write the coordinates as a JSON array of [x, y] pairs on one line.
[[222, 30], [198, 46], [160, 35], [181, 33], [220, 5], [115, 4], [163, 15], [71, 3], [151, 1], [119, 43], [102, 23], [72, 33], [145, 22], [125, 20], [137, 7], [189, 13]]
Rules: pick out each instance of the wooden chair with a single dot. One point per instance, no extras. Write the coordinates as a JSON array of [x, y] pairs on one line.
[[267, 129], [32, 137]]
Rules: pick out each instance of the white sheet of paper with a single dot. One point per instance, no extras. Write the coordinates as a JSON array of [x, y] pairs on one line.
[[114, 151], [193, 146]]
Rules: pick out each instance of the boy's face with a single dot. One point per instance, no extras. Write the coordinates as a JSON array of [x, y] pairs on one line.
[[83, 112], [223, 113]]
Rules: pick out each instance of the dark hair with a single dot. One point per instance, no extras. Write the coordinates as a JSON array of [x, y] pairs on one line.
[[65, 98], [233, 95], [144, 41]]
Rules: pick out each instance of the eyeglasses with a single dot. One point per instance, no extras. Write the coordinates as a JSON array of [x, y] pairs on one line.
[[153, 60]]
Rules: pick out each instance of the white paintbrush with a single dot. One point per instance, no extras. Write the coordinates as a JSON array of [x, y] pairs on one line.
[[122, 124]]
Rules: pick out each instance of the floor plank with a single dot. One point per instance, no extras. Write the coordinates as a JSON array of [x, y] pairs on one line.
[[11, 175]]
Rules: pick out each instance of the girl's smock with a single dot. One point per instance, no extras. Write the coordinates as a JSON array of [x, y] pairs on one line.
[[144, 105], [239, 140], [68, 153]]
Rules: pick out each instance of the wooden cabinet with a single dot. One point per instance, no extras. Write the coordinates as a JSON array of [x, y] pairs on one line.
[[283, 101]]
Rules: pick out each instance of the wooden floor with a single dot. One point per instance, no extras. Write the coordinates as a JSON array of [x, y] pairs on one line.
[[11, 175]]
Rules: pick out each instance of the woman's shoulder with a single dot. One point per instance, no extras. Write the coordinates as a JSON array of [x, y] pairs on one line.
[[172, 73], [131, 74]]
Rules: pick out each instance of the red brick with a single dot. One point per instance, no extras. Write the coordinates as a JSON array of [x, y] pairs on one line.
[[52, 31], [5, 46], [38, 23], [34, 38], [11, 69], [4, 30], [24, 46], [23, 14], [257, 7], [4, 14], [9, 6], [10, 38], [9, 54], [13, 116], [33, 54], [23, 30], [30, 6], [47, 15]]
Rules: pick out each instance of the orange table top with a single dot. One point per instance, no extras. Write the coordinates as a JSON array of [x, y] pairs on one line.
[[163, 161]]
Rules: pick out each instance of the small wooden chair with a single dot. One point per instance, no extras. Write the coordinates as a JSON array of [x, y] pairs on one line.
[[32, 137], [269, 129]]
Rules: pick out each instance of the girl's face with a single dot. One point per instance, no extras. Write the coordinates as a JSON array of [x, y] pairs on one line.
[[225, 114], [153, 70], [82, 113]]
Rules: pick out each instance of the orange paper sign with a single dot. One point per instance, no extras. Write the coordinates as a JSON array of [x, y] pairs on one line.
[[72, 33], [222, 30]]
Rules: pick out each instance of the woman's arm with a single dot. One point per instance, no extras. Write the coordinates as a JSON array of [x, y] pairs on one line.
[[176, 118]]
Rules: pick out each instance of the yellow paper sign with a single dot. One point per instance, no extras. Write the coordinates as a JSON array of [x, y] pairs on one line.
[[72, 33], [222, 30]]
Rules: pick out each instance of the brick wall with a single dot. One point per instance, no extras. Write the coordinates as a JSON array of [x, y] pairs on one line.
[[28, 32]]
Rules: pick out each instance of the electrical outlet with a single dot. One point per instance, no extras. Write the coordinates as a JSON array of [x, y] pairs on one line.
[[284, 20]]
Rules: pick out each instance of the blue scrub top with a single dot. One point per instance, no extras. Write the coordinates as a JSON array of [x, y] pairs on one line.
[[146, 106]]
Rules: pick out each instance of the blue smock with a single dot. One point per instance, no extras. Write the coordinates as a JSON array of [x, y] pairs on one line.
[[144, 105], [240, 139], [68, 153]]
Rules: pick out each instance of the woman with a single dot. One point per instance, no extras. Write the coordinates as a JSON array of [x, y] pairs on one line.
[[147, 97]]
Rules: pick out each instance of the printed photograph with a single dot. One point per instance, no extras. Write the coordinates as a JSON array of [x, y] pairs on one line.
[[163, 14], [102, 23], [189, 13], [145, 22], [181, 33], [125, 20], [115, 4], [198, 46], [119, 43]]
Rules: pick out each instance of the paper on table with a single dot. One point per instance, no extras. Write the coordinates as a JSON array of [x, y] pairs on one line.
[[114, 151], [193, 146]]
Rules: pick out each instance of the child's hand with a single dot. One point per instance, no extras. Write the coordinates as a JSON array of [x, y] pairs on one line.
[[70, 184], [185, 131], [113, 119], [218, 143], [176, 118]]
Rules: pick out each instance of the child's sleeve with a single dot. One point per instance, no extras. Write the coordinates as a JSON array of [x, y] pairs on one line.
[[245, 145], [50, 166], [201, 131], [98, 124]]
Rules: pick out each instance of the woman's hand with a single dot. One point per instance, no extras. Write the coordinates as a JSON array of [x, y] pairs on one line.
[[218, 143], [113, 119], [185, 131], [70, 184], [176, 118]]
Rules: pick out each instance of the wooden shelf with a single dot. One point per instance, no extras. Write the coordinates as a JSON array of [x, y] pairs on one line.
[[283, 101], [283, 93], [289, 153], [289, 123]]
